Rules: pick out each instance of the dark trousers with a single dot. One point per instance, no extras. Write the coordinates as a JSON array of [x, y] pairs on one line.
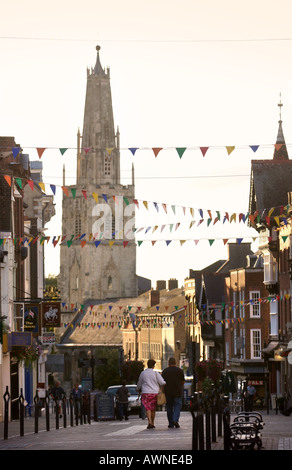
[[122, 410]]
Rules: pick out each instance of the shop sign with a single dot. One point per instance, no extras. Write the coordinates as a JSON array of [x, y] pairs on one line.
[[51, 314]]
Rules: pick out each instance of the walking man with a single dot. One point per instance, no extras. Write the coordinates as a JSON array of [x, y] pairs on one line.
[[173, 389]]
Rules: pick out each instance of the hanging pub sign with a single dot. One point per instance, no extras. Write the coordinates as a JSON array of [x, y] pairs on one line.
[[51, 314], [31, 317]]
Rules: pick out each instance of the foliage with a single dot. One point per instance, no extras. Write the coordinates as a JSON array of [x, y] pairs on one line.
[[105, 376], [131, 371], [26, 354], [211, 368]]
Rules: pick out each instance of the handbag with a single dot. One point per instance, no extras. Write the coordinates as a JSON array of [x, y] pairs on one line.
[[161, 398]]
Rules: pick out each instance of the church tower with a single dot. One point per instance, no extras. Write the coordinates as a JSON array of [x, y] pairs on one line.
[[98, 255]]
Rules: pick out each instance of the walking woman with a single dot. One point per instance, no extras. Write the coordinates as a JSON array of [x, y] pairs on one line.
[[149, 384]]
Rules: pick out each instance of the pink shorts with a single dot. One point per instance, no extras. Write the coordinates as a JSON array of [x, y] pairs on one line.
[[149, 401]]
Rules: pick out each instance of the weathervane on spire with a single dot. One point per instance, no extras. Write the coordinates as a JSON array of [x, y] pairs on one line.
[[280, 106]]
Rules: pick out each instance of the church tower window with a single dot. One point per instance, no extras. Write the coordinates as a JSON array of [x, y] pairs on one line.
[[77, 224]]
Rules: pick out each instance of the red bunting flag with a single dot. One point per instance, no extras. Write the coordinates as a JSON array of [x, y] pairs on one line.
[[204, 150], [30, 183], [40, 151]]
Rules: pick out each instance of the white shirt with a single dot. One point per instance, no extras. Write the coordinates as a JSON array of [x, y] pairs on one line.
[[150, 381]]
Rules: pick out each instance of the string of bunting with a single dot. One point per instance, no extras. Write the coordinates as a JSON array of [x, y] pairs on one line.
[[211, 216], [162, 320], [156, 150]]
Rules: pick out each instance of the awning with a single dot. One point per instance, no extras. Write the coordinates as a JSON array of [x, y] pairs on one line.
[[270, 347], [288, 350]]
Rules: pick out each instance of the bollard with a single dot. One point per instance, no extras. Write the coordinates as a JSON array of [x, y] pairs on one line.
[[195, 431], [208, 429], [226, 424], [21, 413], [201, 430], [88, 409], [36, 413], [64, 410], [213, 421], [47, 405], [6, 397], [57, 412], [71, 405], [220, 418]]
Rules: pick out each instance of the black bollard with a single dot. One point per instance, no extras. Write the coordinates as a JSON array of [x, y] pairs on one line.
[[64, 411], [21, 413], [195, 431], [47, 405], [6, 397], [71, 405], [213, 422], [220, 418], [57, 412], [201, 430], [208, 429], [226, 426], [36, 413], [88, 409]]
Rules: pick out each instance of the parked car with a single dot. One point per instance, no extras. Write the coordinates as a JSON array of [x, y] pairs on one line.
[[134, 402]]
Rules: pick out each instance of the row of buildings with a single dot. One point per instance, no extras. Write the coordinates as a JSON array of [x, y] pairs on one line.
[[238, 310]]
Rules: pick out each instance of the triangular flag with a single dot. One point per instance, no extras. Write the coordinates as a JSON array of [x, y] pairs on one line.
[[104, 197], [133, 150], [86, 150], [156, 150], [40, 151], [69, 243], [278, 146], [30, 183], [167, 242], [95, 196], [109, 151], [225, 240], [97, 243], [125, 244], [83, 243], [111, 242], [145, 204], [211, 242], [8, 179], [84, 193], [19, 182], [230, 149], [15, 151], [254, 147], [42, 186], [180, 151], [204, 150], [63, 151], [73, 191], [53, 188], [65, 190], [126, 201]]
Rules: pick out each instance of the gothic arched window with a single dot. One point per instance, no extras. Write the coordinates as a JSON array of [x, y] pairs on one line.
[[109, 282]]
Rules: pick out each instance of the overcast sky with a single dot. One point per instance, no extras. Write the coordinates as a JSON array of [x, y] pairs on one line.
[[183, 74]]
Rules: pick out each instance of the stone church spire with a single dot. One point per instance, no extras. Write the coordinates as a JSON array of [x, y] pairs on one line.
[[98, 161], [280, 152]]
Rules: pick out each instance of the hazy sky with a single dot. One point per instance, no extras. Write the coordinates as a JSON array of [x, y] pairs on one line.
[[183, 74]]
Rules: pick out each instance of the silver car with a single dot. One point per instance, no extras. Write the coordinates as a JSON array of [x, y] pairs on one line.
[[134, 401]]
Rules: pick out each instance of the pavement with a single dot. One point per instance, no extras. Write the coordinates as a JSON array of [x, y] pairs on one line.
[[114, 438]]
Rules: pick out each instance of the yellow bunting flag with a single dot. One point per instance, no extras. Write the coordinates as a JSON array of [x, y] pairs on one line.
[[95, 196], [230, 149], [42, 186]]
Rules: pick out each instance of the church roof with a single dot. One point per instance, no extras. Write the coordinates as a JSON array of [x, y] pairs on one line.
[[271, 180]]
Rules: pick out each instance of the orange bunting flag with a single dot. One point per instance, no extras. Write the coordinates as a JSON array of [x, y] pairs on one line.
[[65, 190], [8, 179], [40, 151], [156, 150], [83, 243]]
